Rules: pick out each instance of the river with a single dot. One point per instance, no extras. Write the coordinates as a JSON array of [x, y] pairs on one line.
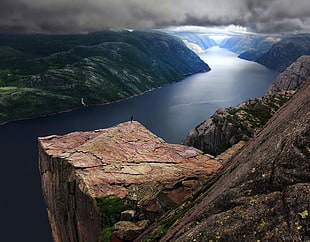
[[170, 112]]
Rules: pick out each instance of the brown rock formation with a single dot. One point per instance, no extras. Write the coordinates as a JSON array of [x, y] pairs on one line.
[[127, 162], [261, 194], [295, 75]]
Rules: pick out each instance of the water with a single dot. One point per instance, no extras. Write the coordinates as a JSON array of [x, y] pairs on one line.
[[170, 112]]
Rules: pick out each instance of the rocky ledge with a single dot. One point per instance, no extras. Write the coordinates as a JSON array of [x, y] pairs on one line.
[[228, 126], [260, 194], [231, 125], [93, 180], [293, 77]]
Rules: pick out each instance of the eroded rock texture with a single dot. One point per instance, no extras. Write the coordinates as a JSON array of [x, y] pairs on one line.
[[126, 163], [228, 126], [231, 125], [293, 77], [261, 194]]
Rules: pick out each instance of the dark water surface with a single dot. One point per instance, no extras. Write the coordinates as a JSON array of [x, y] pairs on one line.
[[170, 112]]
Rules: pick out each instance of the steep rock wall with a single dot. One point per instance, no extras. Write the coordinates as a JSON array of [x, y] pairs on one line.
[[262, 193], [293, 77], [231, 125], [285, 52], [83, 173]]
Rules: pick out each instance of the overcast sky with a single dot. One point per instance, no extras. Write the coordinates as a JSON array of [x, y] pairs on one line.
[[69, 16]]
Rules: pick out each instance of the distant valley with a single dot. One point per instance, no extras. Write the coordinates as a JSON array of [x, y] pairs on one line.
[[43, 74], [276, 52]]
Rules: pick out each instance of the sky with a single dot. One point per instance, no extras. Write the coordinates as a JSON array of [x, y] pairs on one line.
[[77, 16]]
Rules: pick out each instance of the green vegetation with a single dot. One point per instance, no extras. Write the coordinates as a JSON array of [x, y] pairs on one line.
[[110, 209], [157, 234], [100, 67], [256, 112], [106, 234], [7, 88], [304, 214], [239, 123], [22, 102], [162, 229]]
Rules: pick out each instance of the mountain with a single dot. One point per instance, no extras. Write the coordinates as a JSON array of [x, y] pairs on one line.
[[276, 52], [201, 40], [114, 184], [249, 45], [42, 74], [262, 193], [293, 77], [230, 125], [285, 52]]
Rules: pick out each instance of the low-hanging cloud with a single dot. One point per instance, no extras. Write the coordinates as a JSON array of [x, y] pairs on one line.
[[69, 16]]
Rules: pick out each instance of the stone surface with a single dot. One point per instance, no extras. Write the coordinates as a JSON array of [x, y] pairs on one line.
[[128, 215], [261, 194], [228, 126], [285, 52], [293, 77], [126, 230], [125, 161]]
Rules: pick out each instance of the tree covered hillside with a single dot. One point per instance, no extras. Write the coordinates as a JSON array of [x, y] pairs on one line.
[[41, 74]]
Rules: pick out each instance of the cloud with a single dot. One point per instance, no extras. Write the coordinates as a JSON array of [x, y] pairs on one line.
[[82, 16]]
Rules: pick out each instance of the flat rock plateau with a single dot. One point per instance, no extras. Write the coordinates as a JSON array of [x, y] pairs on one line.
[[86, 175]]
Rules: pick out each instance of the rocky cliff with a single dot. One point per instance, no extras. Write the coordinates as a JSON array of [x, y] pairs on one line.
[[261, 194], [194, 40], [249, 46], [276, 52], [228, 126], [94, 182], [231, 125], [294, 76], [285, 52]]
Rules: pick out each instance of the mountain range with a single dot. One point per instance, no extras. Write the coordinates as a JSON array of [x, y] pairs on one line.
[[126, 184], [43, 74], [273, 51]]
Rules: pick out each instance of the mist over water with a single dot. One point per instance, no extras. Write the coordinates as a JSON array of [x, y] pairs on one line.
[[170, 112]]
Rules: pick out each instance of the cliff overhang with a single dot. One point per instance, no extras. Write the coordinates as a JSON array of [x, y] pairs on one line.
[[90, 178]]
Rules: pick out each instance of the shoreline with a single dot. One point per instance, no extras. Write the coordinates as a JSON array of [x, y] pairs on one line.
[[99, 104], [129, 97]]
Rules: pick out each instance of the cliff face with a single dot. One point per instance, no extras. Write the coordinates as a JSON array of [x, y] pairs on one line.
[[262, 193], [285, 52], [230, 125], [294, 76], [276, 52], [90, 178], [249, 46], [201, 40]]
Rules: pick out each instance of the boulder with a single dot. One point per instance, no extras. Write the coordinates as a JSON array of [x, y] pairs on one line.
[[126, 230], [128, 215]]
